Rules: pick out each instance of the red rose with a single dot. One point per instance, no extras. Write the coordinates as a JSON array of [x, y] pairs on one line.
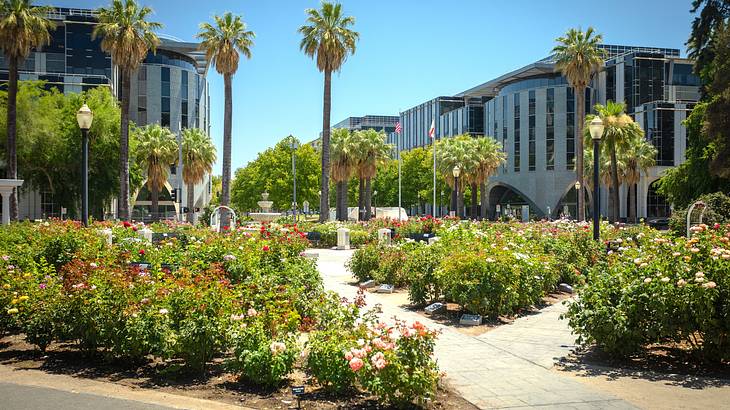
[[265, 248], [141, 252], [716, 226], [126, 224]]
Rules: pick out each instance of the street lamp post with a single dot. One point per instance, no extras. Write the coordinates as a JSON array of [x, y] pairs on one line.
[[578, 192], [84, 117], [375, 203], [456, 171], [294, 147], [596, 129]]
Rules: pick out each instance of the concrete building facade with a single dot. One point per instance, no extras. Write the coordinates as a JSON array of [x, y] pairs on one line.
[[531, 112]]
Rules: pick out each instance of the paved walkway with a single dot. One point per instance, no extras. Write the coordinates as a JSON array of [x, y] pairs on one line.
[[508, 367]]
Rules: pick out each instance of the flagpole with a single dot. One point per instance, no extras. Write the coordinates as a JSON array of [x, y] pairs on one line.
[[433, 208], [399, 176]]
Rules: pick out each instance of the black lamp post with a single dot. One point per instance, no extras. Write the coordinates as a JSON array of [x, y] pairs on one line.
[[84, 117], [457, 171], [596, 129], [294, 145]]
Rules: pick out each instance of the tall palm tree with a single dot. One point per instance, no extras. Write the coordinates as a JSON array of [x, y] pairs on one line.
[[619, 128], [156, 151], [604, 167], [328, 39], [578, 57], [223, 44], [199, 156], [127, 36], [453, 152], [638, 156], [23, 27], [343, 162]]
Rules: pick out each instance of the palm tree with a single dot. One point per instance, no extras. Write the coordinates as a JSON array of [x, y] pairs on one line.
[[199, 155], [639, 155], [578, 57], [23, 27], [156, 151], [328, 39], [343, 161], [619, 128], [369, 150], [490, 156], [604, 167], [127, 36], [453, 152], [222, 44]]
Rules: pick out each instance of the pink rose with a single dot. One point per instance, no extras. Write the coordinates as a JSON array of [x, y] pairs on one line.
[[356, 364], [348, 356]]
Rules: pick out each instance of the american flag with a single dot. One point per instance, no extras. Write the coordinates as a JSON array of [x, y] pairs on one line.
[[398, 128], [432, 130]]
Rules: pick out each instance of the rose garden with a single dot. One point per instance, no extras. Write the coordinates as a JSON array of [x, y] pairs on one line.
[[253, 302]]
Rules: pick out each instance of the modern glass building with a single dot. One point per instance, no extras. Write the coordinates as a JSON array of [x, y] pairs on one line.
[[170, 88], [531, 111], [385, 123]]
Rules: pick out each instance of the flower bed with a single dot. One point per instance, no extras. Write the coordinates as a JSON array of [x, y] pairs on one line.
[[250, 299], [660, 290]]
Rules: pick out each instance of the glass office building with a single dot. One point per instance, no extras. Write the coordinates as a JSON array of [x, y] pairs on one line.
[[531, 112], [169, 88]]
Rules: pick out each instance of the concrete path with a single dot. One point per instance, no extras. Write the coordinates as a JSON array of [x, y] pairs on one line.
[[508, 367]]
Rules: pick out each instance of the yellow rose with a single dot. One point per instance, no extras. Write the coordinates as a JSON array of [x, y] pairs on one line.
[[23, 298], [14, 301], [26, 276], [12, 311], [6, 286]]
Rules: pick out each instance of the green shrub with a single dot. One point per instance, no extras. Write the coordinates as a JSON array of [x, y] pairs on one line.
[[717, 211], [259, 358], [364, 262], [325, 360], [420, 267], [661, 291]]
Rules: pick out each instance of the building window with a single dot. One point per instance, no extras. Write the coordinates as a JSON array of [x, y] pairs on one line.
[[49, 207], [516, 151], [550, 130], [611, 83], [659, 126], [570, 130], [531, 131], [142, 96], [165, 102], [657, 205], [504, 129]]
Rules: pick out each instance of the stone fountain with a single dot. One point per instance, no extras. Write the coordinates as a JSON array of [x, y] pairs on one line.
[[265, 215]]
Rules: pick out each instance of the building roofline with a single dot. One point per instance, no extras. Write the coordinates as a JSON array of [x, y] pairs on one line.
[[491, 88]]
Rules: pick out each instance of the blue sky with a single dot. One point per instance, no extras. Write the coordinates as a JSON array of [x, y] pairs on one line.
[[409, 51]]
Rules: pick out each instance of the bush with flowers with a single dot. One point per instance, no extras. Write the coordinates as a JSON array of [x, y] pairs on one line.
[[247, 298], [660, 290]]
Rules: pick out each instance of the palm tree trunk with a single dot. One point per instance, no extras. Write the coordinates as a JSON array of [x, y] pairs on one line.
[[124, 213], [12, 133], [614, 182], [580, 97], [632, 204], [191, 203], [484, 200], [361, 200], [368, 199], [327, 106], [227, 123], [473, 201], [155, 196]]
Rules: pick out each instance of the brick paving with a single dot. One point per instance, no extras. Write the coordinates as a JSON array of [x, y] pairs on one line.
[[507, 367]]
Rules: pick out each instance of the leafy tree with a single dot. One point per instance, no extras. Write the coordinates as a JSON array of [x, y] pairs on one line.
[[49, 142], [702, 40], [156, 151], [717, 117], [223, 44], [23, 27], [386, 184], [272, 171], [618, 130], [578, 57], [328, 39], [417, 177], [128, 36], [199, 156]]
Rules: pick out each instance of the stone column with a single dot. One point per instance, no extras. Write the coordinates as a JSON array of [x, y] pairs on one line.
[[6, 189]]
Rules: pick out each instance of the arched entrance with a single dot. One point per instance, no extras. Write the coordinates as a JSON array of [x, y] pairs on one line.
[[505, 200], [567, 207], [142, 201], [657, 205]]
